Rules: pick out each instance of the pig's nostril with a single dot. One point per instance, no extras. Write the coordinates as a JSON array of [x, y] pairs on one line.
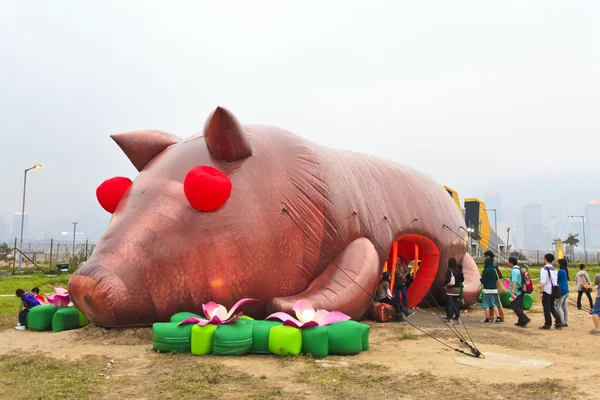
[[87, 300]]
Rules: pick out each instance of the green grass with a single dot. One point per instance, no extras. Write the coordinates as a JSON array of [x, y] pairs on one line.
[[534, 271], [406, 336], [8, 285], [9, 306]]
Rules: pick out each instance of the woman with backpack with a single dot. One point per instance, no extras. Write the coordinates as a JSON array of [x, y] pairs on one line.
[[563, 283], [452, 282]]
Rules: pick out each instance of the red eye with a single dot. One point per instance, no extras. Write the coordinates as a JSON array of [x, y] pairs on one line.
[[206, 188], [110, 192]]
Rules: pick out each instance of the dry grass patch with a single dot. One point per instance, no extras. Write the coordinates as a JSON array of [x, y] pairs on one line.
[[24, 375]]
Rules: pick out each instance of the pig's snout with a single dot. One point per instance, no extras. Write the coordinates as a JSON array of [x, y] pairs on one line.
[[100, 295]]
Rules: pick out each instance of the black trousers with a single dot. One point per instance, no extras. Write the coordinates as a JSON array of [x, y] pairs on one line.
[[550, 310], [517, 307], [589, 296], [452, 308], [392, 303]]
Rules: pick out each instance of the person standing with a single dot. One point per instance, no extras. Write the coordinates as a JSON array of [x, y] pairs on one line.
[[490, 300], [596, 310], [563, 284], [548, 279], [490, 254], [400, 279], [516, 292], [584, 285], [452, 282]]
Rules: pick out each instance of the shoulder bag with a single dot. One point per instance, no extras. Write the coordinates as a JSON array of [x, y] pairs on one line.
[[500, 284], [556, 293]]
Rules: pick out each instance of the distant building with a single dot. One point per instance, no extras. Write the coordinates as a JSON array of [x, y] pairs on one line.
[[17, 226], [533, 235], [3, 232], [592, 225], [493, 201]]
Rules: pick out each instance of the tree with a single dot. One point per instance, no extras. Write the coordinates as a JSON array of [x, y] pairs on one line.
[[572, 240], [4, 248], [519, 256]]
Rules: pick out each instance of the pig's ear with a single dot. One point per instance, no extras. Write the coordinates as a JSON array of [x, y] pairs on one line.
[[225, 136], [142, 146]]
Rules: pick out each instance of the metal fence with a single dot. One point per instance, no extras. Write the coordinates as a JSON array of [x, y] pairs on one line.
[[537, 256], [47, 252]]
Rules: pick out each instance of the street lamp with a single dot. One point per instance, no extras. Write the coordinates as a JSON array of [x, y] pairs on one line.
[[583, 222], [74, 230], [470, 232], [507, 236], [36, 166]]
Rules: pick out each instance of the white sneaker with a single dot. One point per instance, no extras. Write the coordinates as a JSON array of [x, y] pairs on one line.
[[20, 327]]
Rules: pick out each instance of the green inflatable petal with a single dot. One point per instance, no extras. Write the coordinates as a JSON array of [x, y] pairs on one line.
[[202, 339], [315, 341], [285, 340], [346, 338], [233, 339], [40, 318], [169, 336], [260, 335], [65, 318], [527, 301]]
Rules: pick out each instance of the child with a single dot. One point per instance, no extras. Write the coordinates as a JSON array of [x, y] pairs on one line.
[[36, 292], [29, 301]]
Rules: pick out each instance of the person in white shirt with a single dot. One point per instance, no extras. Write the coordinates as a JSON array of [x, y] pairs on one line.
[[549, 278]]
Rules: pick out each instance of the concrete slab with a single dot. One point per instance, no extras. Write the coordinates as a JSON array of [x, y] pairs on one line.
[[495, 360]]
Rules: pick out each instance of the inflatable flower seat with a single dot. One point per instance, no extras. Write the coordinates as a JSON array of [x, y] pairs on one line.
[[58, 314], [220, 332]]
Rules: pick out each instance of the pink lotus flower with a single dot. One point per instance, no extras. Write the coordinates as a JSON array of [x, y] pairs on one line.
[[307, 317], [217, 314], [60, 299]]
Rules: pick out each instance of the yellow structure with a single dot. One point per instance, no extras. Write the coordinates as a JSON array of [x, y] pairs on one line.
[[484, 229], [559, 249], [454, 196]]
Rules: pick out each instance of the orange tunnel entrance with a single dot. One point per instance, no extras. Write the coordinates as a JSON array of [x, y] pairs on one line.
[[415, 248]]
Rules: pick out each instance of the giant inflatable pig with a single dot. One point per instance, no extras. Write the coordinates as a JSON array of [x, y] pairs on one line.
[[255, 211]]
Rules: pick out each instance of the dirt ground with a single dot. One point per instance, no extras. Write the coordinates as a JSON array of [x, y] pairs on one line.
[[403, 363]]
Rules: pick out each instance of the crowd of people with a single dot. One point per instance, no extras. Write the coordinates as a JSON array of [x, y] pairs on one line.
[[554, 292], [553, 286]]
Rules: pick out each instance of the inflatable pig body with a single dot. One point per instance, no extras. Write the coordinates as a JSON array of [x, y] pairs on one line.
[[285, 219]]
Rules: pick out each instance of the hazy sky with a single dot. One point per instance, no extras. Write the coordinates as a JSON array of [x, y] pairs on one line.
[[479, 95]]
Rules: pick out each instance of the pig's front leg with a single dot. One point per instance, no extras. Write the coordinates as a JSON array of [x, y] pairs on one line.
[[348, 284]]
